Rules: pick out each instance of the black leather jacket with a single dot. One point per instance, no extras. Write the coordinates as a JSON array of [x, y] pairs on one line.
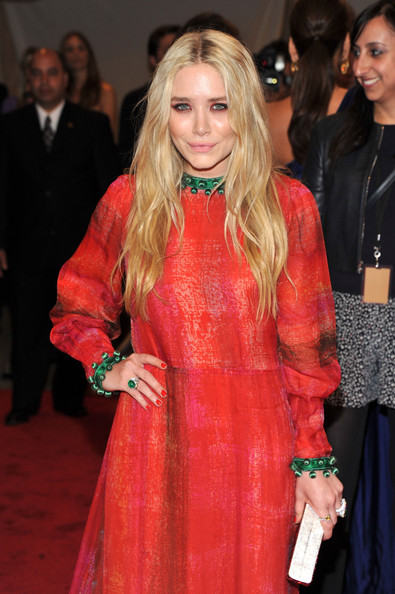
[[341, 191]]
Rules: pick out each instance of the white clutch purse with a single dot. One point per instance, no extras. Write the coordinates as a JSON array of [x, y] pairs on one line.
[[307, 546]]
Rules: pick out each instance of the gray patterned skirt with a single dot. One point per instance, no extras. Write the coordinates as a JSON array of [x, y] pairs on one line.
[[366, 351]]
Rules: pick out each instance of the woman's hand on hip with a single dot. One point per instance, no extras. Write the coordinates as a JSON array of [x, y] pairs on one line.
[[130, 376]]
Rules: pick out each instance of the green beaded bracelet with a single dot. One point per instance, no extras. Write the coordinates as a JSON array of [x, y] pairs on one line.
[[100, 372], [311, 465]]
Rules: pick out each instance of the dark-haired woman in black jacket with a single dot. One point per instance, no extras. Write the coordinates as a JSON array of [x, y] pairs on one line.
[[350, 169]]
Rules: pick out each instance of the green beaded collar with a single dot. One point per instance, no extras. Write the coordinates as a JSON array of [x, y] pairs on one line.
[[202, 183]]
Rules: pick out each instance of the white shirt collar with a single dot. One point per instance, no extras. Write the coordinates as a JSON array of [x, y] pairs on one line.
[[54, 115]]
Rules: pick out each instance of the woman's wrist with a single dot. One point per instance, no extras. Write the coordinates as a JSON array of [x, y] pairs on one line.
[[96, 380], [326, 464]]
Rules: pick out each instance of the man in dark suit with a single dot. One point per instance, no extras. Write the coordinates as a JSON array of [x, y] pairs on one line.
[[56, 161], [133, 105]]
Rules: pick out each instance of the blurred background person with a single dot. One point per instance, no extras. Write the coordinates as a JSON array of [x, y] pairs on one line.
[[86, 87], [3, 93], [274, 66], [27, 96], [56, 161], [210, 20], [319, 48], [133, 105], [7, 102], [350, 169]]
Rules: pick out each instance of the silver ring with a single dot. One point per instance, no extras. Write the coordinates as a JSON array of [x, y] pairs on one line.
[[341, 511], [326, 519], [133, 382]]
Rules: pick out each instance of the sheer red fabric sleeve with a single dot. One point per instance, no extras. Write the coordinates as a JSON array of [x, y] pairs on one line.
[[86, 314], [306, 322]]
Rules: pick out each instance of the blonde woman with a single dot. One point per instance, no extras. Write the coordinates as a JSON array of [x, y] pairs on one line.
[[221, 264]]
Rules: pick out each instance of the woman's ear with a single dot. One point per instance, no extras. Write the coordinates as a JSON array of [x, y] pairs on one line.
[[346, 47], [293, 51]]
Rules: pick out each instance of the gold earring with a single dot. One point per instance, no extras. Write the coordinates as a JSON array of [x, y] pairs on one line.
[[294, 67], [344, 66]]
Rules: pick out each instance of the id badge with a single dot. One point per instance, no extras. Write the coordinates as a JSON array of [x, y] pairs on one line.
[[376, 284]]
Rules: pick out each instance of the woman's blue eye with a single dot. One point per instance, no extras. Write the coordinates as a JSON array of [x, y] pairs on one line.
[[181, 106], [220, 106]]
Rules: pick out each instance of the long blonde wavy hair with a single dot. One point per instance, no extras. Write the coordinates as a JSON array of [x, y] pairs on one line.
[[251, 199]]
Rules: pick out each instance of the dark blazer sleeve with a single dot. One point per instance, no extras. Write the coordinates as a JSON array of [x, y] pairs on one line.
[[318, 173], [314, 169], [130, 121], [126, 130], [106, 158], [3, 170]]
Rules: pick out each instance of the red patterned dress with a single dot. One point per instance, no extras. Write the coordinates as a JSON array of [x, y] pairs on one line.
[[196, 497]]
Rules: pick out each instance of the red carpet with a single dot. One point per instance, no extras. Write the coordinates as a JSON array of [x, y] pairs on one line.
[[49, 468]]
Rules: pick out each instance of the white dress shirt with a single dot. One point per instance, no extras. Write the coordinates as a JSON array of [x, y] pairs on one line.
[[54, 115]]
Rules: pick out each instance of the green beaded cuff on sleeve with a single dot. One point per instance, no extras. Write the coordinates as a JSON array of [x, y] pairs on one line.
[[312, 465], [100, 372]]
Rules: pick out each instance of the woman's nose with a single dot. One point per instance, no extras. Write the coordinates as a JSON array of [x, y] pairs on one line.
[[201, 123], [360, 65]]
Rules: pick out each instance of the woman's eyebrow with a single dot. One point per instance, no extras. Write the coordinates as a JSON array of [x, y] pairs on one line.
[[211, 99]]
